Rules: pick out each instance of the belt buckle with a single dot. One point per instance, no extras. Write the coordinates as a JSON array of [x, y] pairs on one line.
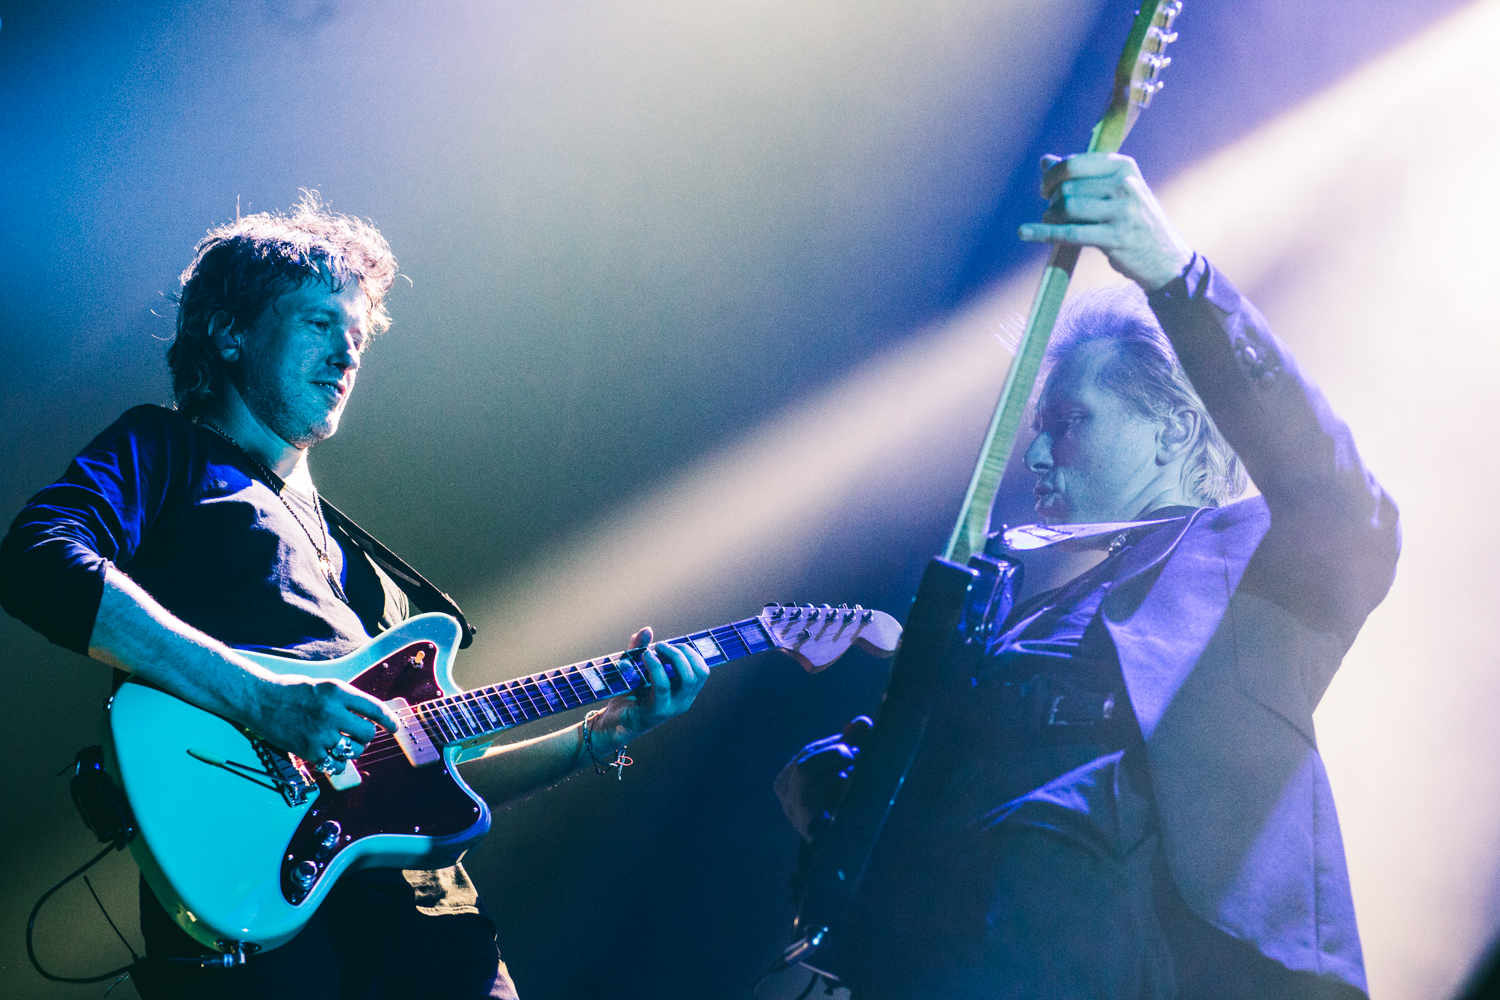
[[1078, 708]]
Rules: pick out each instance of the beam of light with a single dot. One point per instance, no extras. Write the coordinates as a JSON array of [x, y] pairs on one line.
[[1355, 224], [740, 526], [1362, 224]]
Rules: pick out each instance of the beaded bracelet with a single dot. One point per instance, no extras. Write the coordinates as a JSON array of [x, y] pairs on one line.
[[620, 763]]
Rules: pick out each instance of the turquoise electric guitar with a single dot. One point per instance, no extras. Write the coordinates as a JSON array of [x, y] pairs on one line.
[[964, 592], [241, 840]]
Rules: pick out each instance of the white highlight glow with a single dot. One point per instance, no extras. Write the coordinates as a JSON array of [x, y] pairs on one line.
[[1363, 226]]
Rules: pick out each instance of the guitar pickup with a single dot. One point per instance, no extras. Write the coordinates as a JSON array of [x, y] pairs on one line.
[[411, 737], [347, 778]]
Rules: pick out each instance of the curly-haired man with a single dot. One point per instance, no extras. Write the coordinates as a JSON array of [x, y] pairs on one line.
[[179, 537]]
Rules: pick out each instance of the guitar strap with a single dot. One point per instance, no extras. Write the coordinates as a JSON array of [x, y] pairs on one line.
[[418, 589], [1029, 537]]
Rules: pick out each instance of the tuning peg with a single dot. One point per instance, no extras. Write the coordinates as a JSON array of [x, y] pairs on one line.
[[827, 610], [775, 609], [1148, 89], [796, 613], [812, 613]]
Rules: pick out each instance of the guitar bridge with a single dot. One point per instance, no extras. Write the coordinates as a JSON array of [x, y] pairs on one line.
[[280, 773], [287, 772]]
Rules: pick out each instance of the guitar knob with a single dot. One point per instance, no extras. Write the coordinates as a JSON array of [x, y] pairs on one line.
[[327, 835], [305, 874]]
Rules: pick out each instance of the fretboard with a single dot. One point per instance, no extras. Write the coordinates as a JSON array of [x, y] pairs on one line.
[[483, 711]]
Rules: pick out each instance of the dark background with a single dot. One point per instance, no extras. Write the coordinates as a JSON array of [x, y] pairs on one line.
[[638, 235]]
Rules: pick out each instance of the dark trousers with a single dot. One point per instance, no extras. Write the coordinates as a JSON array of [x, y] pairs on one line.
[[367, 941], [1044, 919]]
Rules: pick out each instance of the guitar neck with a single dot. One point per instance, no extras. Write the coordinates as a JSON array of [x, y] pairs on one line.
[[1000, 440], [1135, 83], [472, 716]]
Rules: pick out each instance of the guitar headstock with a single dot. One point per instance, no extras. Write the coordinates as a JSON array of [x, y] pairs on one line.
[[1138, 75], [816, 635]]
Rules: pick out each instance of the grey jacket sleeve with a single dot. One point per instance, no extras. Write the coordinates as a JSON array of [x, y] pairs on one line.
[[1331, 553]]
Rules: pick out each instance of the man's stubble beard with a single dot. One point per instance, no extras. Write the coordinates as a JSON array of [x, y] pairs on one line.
[[266, 398]]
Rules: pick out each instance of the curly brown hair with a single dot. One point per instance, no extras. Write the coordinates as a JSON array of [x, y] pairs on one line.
[[240, 268]]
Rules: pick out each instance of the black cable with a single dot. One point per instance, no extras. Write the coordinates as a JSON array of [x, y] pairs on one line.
[[816, 979], [110, 919], [31, 924], [782, 967]]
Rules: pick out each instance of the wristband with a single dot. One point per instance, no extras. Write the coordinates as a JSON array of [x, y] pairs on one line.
[[620, 762]]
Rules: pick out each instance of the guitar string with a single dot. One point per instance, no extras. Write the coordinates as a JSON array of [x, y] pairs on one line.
[[730, 634], [723, 635], [568, 674], [382, 753], [411, 713]]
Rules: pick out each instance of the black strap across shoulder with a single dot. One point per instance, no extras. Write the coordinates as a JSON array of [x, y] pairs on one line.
[[423, 595]]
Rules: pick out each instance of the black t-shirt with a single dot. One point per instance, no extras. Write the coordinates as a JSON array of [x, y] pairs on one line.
[[190, 518]]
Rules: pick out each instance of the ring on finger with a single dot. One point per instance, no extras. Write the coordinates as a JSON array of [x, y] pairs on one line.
[[329, 765], [343, 749]]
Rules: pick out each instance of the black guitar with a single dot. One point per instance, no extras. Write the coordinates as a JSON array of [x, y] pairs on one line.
[[966, 592]]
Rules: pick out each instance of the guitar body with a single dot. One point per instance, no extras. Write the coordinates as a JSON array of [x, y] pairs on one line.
[[221, 849], [958, 605], [843, 850], [241, 841]]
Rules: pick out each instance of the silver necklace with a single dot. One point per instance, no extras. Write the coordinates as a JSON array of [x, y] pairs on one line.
[[278, 486]]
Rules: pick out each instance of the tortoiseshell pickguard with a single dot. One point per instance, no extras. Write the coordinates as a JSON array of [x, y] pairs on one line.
[[392, 797]]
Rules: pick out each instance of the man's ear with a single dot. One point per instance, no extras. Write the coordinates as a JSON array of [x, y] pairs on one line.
[[1178, 431], [226, 337]]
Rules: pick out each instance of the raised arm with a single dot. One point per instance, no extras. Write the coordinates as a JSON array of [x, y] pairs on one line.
[[1291, 442], [1328, 511]]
